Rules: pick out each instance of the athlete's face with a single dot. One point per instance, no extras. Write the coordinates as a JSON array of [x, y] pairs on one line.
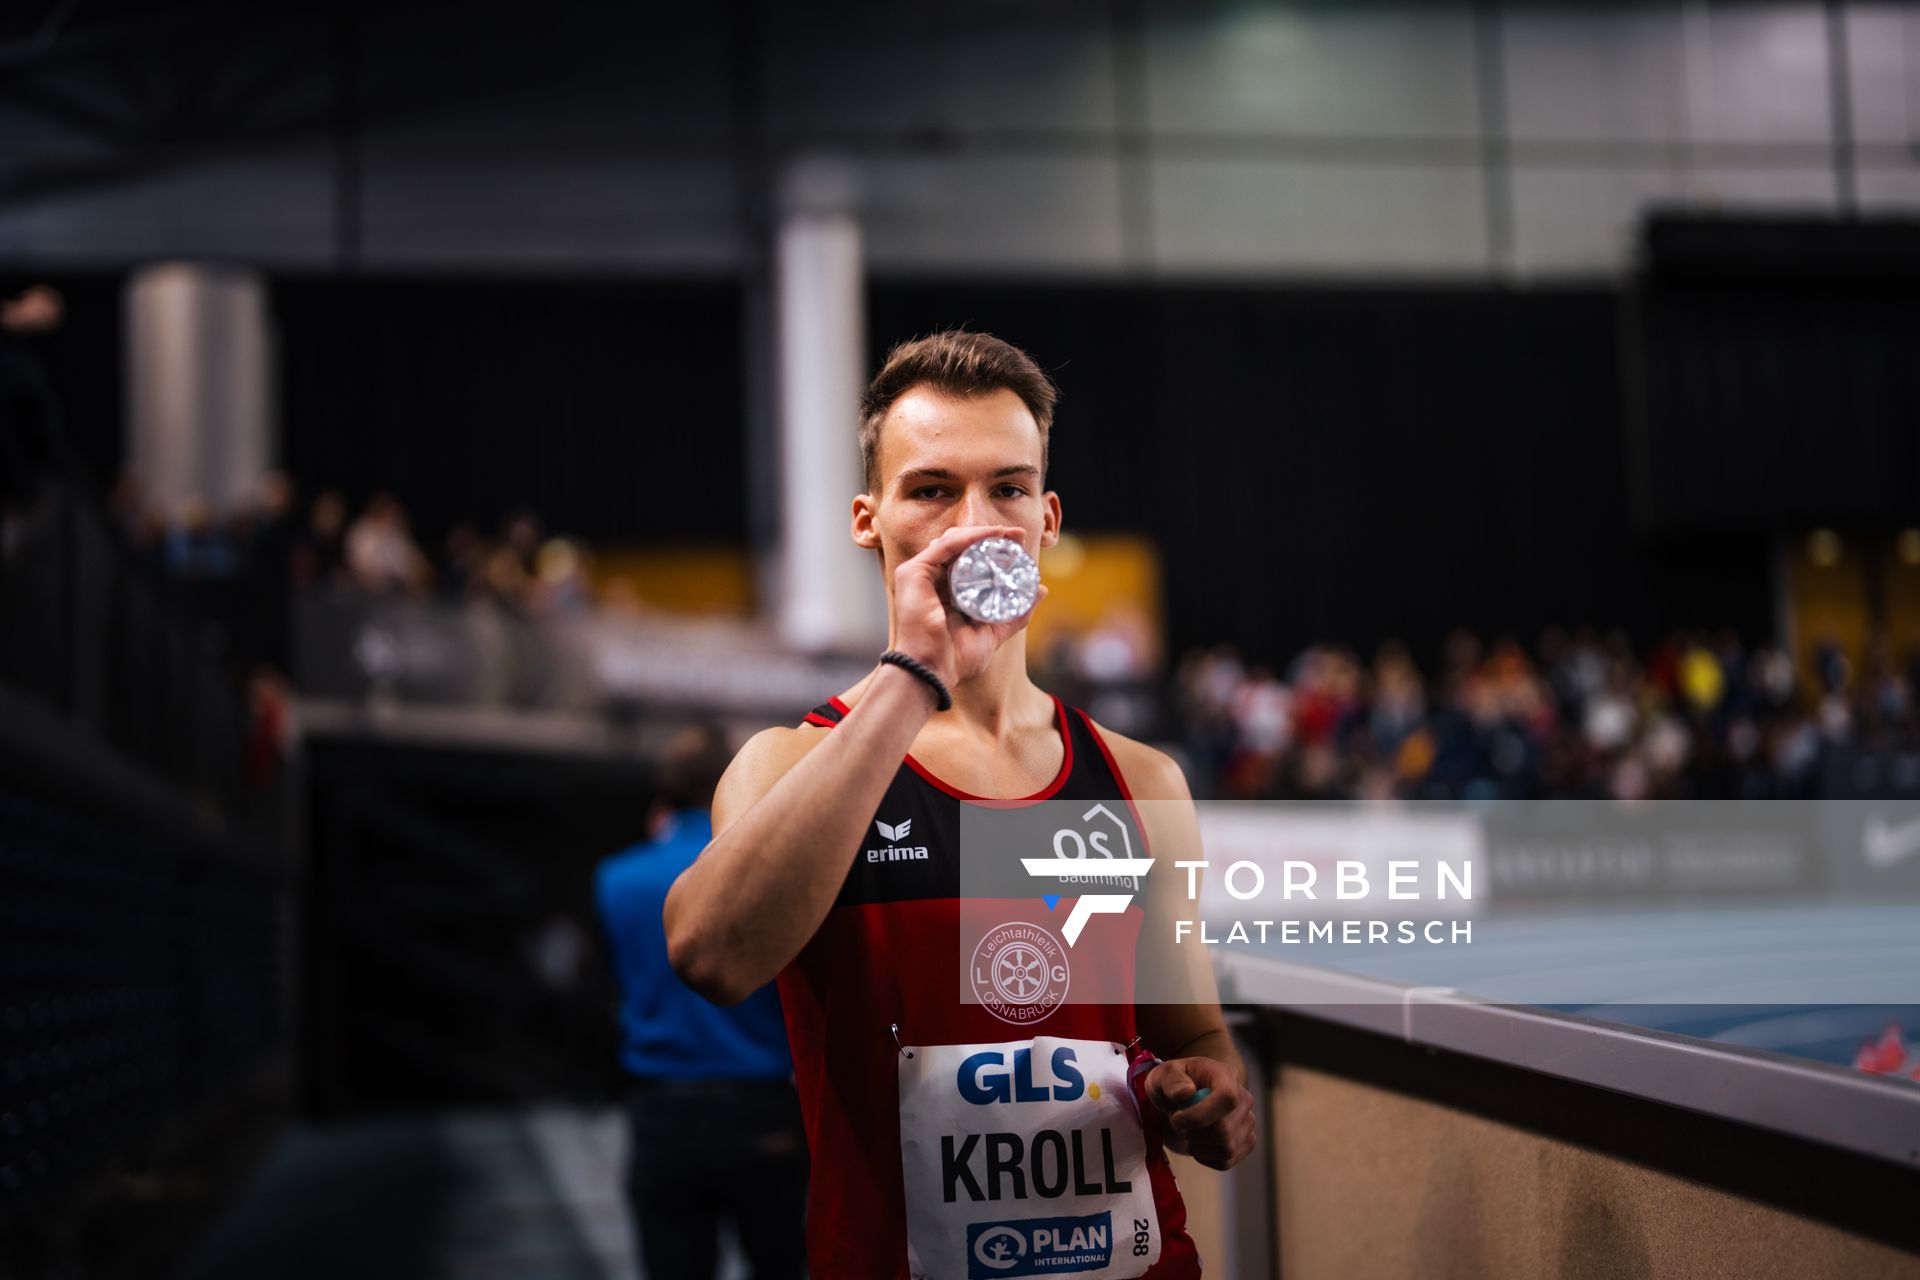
[[954, 461]]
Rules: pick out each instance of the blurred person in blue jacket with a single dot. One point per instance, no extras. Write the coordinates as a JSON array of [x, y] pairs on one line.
[[713, 1119]]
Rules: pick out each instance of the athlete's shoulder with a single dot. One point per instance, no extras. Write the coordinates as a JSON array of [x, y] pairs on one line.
[[778, 747], [1171, 824], [1150, 773], [761, 761]]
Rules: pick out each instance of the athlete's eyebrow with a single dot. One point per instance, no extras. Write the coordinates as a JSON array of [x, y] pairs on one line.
[[911, 474]]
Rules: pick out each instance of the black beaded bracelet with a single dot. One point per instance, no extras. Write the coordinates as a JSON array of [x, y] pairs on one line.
[[921, 669]]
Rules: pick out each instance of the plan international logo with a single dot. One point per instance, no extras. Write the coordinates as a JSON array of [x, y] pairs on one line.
[[1089, 857], [1039, 1246]]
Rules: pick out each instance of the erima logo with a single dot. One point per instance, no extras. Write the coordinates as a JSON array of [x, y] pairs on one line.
[[1070, 862], [895, 851], [1889, 845]]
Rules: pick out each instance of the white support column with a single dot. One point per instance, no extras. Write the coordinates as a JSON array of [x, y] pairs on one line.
[[199, 412], [828, 592]]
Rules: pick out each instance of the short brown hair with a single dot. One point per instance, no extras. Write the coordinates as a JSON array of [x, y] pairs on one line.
[[957, 362]]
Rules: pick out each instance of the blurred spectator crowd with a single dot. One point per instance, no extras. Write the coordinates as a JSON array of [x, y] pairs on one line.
[[272, 542], [1580, 716]]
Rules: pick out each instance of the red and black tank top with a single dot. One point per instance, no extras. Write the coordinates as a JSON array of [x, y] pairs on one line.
[[887, 955]]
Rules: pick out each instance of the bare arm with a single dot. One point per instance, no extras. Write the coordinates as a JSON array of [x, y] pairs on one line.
[[789, 813], [1184, 1025], [1178, 975], [787, 819]]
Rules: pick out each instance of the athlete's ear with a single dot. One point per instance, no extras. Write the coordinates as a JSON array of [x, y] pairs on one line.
[[865, 535], [1050, 521]]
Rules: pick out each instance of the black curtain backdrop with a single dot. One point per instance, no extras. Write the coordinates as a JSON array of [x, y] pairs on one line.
[[612, 409], [1778, 374], [1353, 464], [1328, 463]]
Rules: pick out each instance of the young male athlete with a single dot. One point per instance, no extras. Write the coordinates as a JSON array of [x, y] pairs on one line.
[[1023, 1133]]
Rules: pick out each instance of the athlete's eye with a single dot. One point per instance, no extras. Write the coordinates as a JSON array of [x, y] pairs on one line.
[[925, 490], [1013, 490]]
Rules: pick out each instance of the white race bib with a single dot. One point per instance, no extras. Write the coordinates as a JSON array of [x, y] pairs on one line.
[[1024, 1159]]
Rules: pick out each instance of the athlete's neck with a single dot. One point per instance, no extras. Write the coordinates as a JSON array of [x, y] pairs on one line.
[[1002, 695]]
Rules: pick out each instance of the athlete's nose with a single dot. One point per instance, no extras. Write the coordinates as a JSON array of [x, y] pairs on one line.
[[977, 511]]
